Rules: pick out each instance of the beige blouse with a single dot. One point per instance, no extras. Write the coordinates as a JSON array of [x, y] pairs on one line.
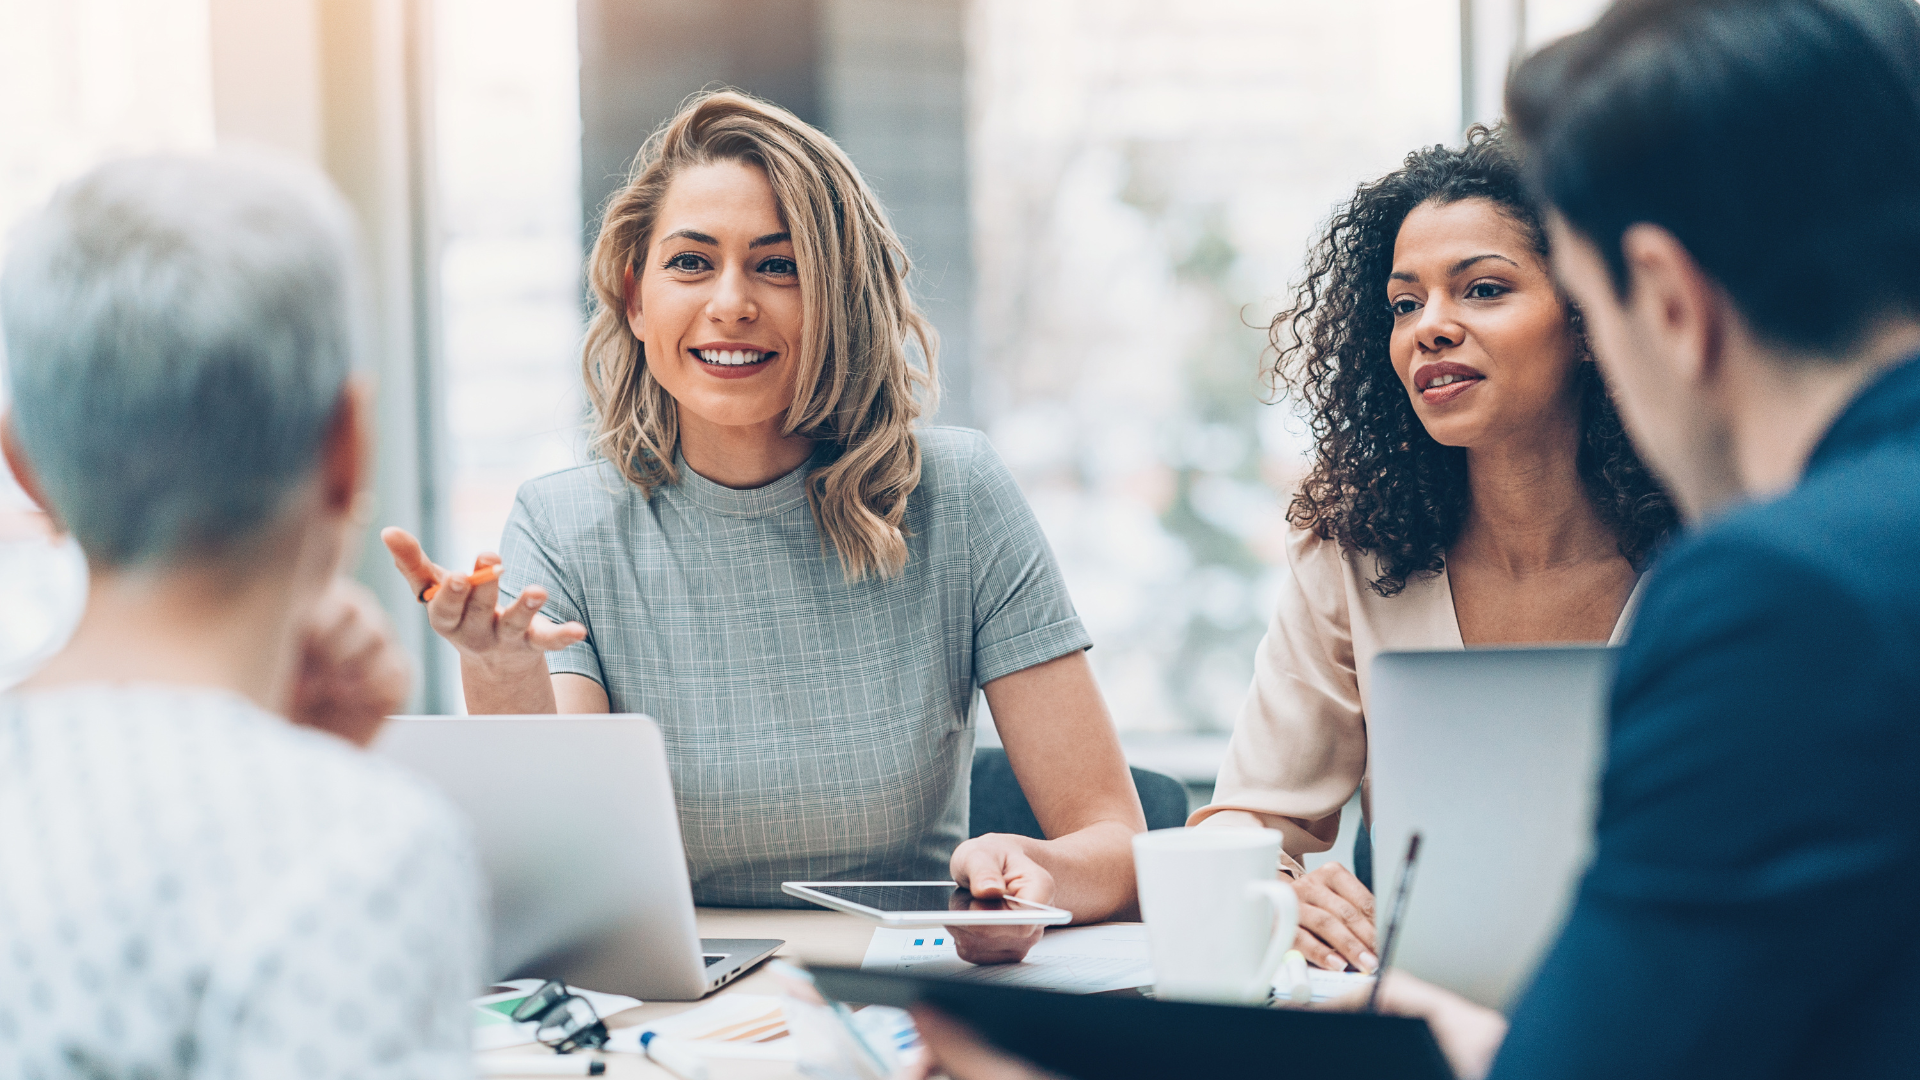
[[1299, 748]]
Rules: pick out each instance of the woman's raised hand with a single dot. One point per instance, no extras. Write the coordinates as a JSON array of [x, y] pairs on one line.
[[468, 614]]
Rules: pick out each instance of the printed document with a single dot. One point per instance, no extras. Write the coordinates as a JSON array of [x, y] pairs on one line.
[[1074, 959]]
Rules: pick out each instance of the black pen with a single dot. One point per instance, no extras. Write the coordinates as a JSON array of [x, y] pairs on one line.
[[1393, 922]]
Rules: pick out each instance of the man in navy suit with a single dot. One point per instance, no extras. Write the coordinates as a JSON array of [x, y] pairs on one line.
[[1735, 194], [1734, 189]]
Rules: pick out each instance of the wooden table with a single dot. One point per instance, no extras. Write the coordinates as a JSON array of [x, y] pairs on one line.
[[814, 936]]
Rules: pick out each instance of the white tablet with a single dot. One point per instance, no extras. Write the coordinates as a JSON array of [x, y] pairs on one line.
[[924, 903]]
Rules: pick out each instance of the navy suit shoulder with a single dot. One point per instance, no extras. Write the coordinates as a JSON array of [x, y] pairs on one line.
[[1763, 720], [1759, 814], [1775, 668]]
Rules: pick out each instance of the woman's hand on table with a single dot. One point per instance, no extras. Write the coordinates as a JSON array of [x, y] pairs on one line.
[[1064, 753], [990, 867], [1336, 920]]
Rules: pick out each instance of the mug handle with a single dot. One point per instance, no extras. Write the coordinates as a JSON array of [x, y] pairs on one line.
[[1285, 904]]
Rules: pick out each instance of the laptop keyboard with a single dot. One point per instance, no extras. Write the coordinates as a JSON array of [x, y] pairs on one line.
[[714, 958]]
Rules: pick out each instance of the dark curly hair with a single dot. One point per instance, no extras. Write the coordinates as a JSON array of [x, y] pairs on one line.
[[1379, 482]]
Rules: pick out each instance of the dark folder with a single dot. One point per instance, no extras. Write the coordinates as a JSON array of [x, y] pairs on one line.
[[1110, 1037]]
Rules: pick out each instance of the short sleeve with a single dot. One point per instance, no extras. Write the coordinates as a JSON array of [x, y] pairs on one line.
[[1022, 615], [361, 966], [1299, 746], [530, 556]]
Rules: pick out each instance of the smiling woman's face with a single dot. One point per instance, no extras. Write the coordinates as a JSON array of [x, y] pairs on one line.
[[717, 301], [1480, 336]]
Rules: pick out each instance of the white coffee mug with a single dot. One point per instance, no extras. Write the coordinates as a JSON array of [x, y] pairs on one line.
[[1219, 922]]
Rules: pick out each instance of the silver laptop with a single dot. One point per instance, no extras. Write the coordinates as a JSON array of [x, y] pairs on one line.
[[1493, 755], [577, 831]]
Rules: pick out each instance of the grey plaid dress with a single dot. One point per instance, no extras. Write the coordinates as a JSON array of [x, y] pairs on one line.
[[817, 729]]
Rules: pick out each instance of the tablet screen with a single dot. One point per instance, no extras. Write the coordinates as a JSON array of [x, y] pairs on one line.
[[911, 897]]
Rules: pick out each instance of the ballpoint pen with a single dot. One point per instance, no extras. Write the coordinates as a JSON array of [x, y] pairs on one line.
[[1393, 922]]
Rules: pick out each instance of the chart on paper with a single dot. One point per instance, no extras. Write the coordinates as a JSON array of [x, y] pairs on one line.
[[1075, 960]]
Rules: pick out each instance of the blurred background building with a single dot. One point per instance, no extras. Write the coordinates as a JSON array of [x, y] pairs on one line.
[[1105, 200]]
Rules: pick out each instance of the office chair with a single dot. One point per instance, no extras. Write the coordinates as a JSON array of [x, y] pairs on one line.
[[1000, 806], [1363, 854]]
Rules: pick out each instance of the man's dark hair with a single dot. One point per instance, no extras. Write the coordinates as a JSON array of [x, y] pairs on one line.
[[1778, 140]]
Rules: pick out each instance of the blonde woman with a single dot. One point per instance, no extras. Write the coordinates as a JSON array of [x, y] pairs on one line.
[[772, 561]]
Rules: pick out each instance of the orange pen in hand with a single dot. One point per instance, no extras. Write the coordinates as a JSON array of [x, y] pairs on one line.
[[484, 574]]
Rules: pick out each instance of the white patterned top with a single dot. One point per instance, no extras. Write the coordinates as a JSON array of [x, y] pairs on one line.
[[191, 887]]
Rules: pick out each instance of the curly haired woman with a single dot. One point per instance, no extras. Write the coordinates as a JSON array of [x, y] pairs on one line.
[[1471, 485], [769, 557]]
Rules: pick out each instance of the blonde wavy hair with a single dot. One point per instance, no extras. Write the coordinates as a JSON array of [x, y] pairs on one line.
[[857, 390]]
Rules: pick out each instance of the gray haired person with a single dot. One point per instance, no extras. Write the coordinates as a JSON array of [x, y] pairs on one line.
[[205, 875]]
